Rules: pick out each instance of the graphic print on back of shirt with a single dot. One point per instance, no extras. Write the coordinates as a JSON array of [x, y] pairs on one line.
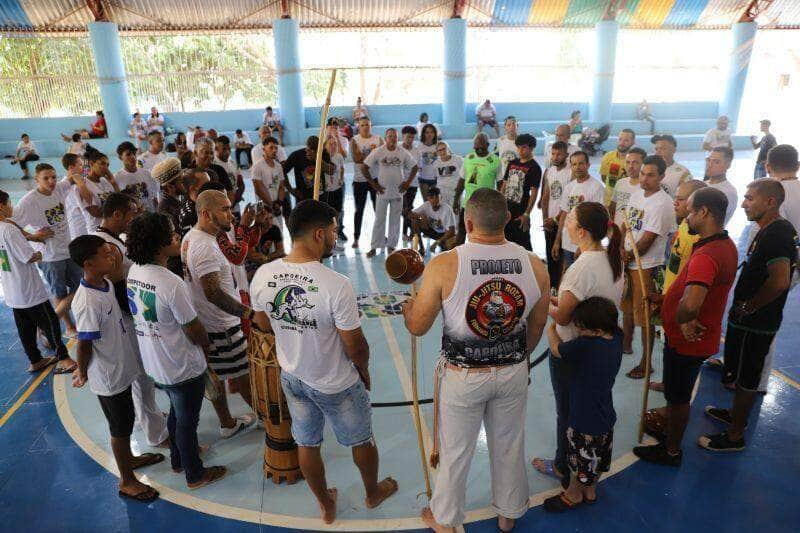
[[137, 190], [5, 265], [289, 306]]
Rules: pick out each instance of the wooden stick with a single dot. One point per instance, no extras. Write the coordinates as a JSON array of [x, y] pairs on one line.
[[646, 328], [321, 144], [415, 393]]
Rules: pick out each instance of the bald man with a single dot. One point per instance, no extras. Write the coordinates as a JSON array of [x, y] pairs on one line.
[[210, 278]]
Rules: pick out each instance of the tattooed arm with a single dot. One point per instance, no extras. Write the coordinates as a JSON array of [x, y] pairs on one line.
[[214, 294]]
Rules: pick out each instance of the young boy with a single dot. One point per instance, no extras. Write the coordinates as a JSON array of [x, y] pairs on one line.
[[42, 209], [25, 293], [596, 355], [135, 181], [100, 183], [106, 359], [155, 153], [434, 220]]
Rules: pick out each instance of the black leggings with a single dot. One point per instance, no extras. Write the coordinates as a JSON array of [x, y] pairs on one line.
[[335, 199], [42, 317], [408, 206], [360, 190], [247, 152], [554, 266]]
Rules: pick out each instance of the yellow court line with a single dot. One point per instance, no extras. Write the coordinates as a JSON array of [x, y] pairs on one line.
[[26, 394], [787, 379]]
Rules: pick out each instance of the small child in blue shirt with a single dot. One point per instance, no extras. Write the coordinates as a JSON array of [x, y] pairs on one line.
[[596, 355]]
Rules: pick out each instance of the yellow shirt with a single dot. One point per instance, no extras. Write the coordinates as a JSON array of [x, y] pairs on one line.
[[679, 253], [612, 169]]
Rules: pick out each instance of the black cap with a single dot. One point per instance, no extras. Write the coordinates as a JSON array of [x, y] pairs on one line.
[[666, 137]]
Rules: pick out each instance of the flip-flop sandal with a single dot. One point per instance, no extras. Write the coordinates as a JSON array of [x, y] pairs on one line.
[[590, 502], [48, 361], [559, 504], [549, 469], [146, 496], [151, 459], [64, 370]]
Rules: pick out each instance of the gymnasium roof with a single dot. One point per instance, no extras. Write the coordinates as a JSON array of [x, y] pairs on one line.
[[157, 16]]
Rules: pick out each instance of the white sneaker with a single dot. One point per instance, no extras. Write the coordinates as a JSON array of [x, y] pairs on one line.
[[242, 422], [338, 247]]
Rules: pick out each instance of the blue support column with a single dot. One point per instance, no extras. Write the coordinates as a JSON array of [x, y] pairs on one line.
[[455, 77], [110, 70], [743, 35], [605, 59], [286, 33]]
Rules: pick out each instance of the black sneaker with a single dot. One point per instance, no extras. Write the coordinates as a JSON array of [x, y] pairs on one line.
[[343, 237], [721, 443], [658, 454]]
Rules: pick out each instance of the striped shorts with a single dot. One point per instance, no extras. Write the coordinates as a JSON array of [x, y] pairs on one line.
[[231, 358]]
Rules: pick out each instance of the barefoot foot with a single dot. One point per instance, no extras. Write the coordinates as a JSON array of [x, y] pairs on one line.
[[327, 509], [430, 521], [385, 488]]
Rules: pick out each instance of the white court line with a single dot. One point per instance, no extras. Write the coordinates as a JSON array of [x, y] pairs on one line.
[[403, 374]]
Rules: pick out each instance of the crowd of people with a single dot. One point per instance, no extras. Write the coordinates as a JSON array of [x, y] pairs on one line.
[[159, 271]]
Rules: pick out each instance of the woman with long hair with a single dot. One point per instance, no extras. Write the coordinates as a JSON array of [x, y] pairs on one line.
[[596, 272]]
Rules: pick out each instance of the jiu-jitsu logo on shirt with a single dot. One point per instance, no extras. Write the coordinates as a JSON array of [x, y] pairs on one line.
[[494, 309]]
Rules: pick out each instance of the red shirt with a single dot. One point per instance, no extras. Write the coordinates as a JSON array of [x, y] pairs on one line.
[[713, 264]]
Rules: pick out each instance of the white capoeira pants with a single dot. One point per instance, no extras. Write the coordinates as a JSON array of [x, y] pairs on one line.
[[395, 208], [496, 399], [148, 415]]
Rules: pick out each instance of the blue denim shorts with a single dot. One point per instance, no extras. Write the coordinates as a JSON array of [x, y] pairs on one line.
[[63, 277], [349, 413]]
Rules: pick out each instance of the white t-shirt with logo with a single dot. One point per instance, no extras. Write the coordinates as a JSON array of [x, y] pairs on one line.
[[98, 318], [426, 161], [39, 211], [673, 177], [201, 256], [271, 120], [575, 193], [306, 303], [590, 275], [100, 192], [140, 185], [334, 182], [556, 182], [25, 148], [717, 137], [623, 191], [148, 160], [244, 139], [415, 155], [447, 175], [656, 214], [270, 176], [486, 111], [441, 219], [365, 145], [730, 192], [390, 169], [22, 285], [161, 305], [507, 150]]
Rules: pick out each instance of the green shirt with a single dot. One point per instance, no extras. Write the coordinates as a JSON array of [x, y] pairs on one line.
[[480, 172]]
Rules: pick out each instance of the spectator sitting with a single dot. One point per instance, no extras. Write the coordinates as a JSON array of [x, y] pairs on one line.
[[643, 113], [486, 115], [78, 147], [155, 122], [138, 130], [359, 111], [423, 120], [243, 145], [575, 122], [97, 129], [26, 151], [211, 134], [719, 136], [273, 120]]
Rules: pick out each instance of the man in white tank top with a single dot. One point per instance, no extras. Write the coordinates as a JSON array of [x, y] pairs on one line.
[[492, 295]]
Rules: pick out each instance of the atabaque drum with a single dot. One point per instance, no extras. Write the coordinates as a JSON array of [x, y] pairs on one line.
[[405, 265], [280, 451]]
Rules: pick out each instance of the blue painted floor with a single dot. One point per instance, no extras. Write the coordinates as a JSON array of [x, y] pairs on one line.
[[49, 483]]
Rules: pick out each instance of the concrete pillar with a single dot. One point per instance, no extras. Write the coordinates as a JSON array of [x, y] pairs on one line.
[[605, 59], [286, 33], [110, 70], [743, 35], [455, 77]]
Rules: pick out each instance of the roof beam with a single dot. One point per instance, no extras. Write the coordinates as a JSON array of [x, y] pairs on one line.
[[285, 10], [754, 9], [613, 7], [98, 10]]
